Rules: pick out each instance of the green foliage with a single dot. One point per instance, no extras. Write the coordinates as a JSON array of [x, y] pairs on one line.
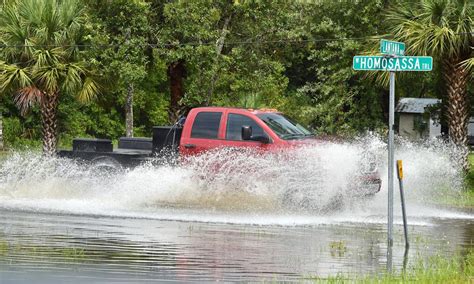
[[17, 135], [250, 54], [470, 175], [341, 101], [439, 28], [20, 132], [121, 27], [95, 119], [219, 71], [41, 61], [49, 62], [465, 198]]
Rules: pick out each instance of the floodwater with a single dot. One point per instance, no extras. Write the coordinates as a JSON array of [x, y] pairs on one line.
[[62, 221]]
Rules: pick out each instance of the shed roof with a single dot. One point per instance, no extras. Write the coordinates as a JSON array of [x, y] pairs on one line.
[[415, 105]]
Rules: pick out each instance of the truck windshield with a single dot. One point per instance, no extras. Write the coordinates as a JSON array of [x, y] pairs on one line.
[[284, 127]]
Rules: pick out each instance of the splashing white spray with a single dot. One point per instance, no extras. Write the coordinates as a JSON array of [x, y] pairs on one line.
[[231, 183]]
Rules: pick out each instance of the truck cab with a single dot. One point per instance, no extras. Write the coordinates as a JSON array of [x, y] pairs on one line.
[[215, 127]]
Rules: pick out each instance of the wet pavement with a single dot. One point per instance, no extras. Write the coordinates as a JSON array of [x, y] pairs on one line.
[[45, 247]]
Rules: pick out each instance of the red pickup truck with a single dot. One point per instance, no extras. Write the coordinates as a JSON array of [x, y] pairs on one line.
[[204, 129], [214, 127]]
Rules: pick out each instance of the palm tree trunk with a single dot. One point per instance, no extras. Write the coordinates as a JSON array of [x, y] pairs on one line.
[[49, 108], [458, 106], [129, 111]]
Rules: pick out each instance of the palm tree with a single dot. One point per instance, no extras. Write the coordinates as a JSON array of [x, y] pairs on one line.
[[442, 29], [40, 54]]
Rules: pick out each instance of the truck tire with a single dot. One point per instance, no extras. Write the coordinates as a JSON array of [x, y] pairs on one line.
[[297, 200], [335, 203], [106, 164]]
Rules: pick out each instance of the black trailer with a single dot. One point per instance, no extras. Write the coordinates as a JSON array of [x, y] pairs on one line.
[[131, 151]]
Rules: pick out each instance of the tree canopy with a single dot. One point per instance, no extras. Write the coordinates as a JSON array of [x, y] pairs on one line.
[[292, 55]]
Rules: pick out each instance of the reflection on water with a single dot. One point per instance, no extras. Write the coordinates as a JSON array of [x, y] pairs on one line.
[[47, 247]]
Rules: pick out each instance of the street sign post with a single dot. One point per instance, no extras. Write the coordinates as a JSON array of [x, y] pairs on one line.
[[393, 61], [384, 63], [392, 47]]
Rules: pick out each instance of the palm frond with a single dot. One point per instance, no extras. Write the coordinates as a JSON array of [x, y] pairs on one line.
[[468, 64], [12, 76], [27, 97], [440, 28], [89, 90], [73, 78], [48, 79], [72, 14]]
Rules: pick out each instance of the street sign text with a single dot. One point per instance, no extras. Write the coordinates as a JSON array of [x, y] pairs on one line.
[[404, 63], [392, 47]]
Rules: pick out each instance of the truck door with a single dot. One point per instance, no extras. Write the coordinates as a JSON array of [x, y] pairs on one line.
[[204, 134], [233, 132]]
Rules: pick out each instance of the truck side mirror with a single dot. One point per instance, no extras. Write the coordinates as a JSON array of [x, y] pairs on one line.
[[247, 135], [264, 139], [246, 132]]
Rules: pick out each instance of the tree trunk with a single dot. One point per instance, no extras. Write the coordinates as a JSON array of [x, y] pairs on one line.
[[49, 109], [458, 106], [219, 46], [176, 73], [129, 111]]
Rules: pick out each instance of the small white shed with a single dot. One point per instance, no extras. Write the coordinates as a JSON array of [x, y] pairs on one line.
[[413, 122]]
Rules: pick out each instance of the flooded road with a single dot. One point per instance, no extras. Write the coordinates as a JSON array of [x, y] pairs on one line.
[[48, 247], [63, 221]]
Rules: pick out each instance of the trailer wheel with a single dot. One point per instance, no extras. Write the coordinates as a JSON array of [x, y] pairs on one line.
[[106, 164]]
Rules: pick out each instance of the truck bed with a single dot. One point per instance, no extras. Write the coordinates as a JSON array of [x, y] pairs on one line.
[[124, 157], [131, 151]]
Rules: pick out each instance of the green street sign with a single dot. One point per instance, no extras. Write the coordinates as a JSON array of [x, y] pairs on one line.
[[403, 63], [392, 47]]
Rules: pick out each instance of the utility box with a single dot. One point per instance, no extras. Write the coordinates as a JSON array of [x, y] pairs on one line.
[[92, 145], [137, 143]]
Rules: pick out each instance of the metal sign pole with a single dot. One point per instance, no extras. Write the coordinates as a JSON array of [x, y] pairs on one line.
[[392, 59], [391, 163]]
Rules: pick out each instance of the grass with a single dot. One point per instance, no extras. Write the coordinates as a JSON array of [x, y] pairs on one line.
[[469, 179], [466, 199], [436, 269]]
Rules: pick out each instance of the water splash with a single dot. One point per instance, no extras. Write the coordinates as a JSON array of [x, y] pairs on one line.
[[232, 185]]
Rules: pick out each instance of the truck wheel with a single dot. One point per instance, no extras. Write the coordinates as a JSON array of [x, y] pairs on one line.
[[106, 164], [300, 201], [335, 203]]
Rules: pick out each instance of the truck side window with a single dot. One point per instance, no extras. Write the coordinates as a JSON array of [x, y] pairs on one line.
[[206, 125], [235, 123]]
